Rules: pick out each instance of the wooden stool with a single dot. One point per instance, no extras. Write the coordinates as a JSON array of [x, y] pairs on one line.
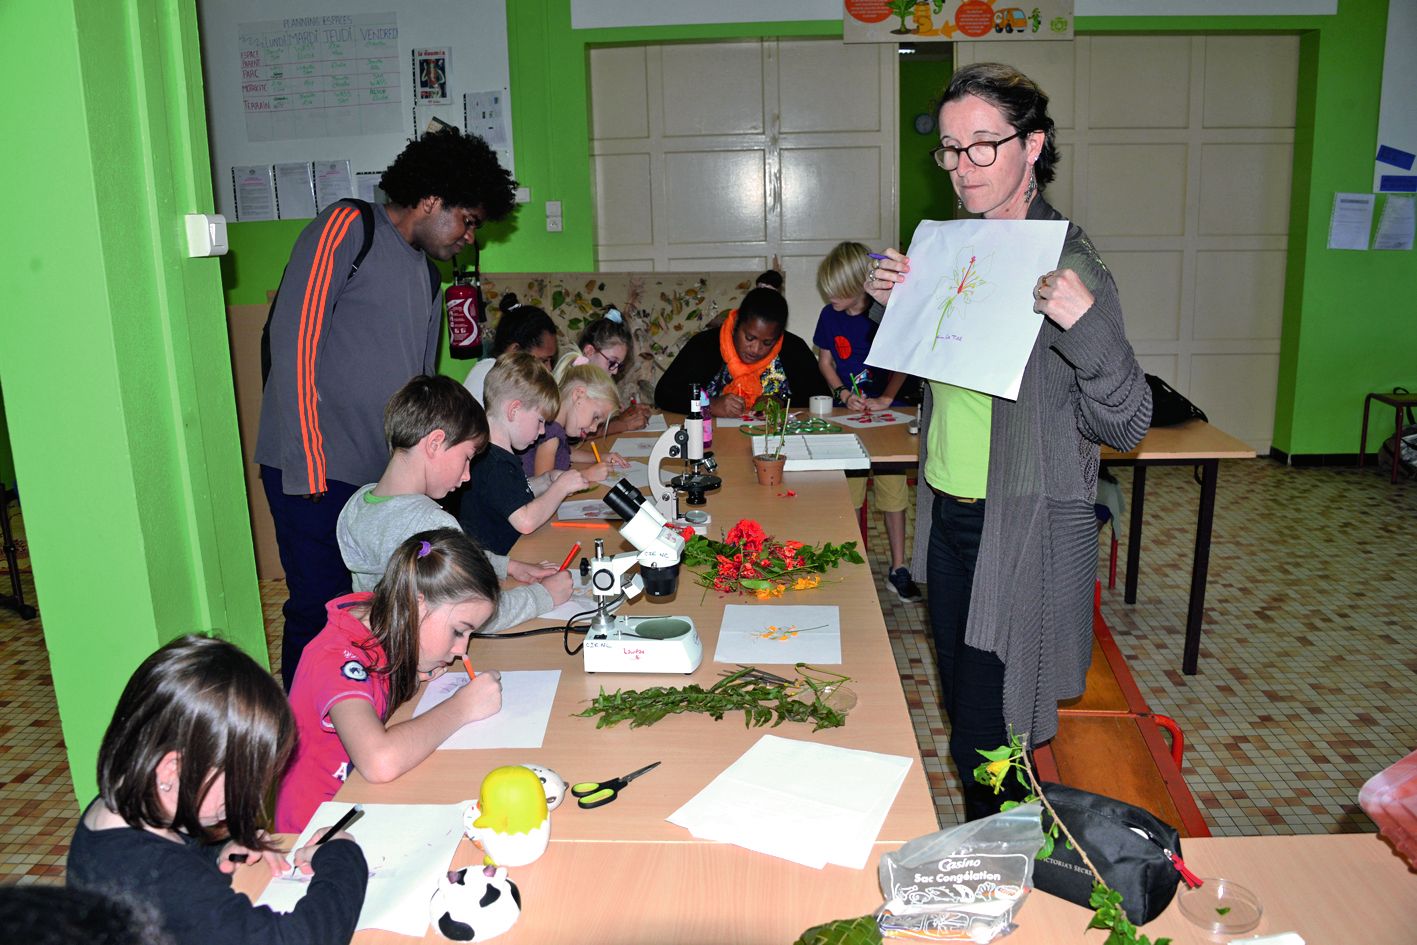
[[1398, 402]]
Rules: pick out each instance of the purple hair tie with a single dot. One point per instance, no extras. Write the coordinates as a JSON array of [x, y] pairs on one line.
[[423, 549]]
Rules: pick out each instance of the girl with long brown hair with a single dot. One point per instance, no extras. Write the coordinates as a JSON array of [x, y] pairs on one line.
[[436, 591]]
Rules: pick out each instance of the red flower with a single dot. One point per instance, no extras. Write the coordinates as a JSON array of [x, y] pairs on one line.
[[747, 534], [843, 347]]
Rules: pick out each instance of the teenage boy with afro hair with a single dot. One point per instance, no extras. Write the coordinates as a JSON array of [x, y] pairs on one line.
[[343, 338]]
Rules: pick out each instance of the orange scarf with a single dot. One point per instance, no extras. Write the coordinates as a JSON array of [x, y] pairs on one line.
[[746, 378]]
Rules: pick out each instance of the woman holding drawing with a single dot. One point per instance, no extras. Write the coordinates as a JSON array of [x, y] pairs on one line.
[[1010, 579]]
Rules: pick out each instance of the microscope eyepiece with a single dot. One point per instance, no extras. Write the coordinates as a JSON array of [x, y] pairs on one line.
[[624, 499]]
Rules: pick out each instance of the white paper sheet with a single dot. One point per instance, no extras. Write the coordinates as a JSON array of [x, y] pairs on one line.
[[408, 847], [526, 708], [295, 188], [576, 510], [637, 472], [1396, 225], [729, 423], [809, 803], [965, 316], [634, 447], [255, 192], [803, 634], [578, 604], [879, 418], [657, 424], [1350, 221]]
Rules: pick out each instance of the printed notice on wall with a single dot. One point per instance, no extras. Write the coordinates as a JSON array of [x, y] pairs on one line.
[[321, 76]]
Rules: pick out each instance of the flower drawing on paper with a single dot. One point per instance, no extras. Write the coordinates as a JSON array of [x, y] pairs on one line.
[[960, 289]]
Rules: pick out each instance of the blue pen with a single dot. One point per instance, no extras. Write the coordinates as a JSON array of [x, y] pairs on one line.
[[877, 256]]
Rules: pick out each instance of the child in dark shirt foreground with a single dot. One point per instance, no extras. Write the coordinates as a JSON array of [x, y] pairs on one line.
[[200, 735]]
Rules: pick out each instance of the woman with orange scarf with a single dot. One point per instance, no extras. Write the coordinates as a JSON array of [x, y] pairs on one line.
[[750, 356]]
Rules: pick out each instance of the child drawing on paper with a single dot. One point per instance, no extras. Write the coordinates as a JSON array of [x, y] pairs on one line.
[[960, 289]]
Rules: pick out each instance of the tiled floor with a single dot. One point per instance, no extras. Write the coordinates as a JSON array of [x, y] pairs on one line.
[[1308, 670]]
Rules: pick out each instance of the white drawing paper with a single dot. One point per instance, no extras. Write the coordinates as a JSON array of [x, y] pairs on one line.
[[802, 801], [408, 848], [965, 314], [633, 447], [579, 510], [520, 723], [755, 634], [877, 418]]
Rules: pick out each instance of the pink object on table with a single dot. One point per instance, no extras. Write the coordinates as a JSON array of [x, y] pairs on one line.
[[1390, 798]]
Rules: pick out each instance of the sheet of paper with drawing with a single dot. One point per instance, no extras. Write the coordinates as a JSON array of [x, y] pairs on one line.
[[408, 848], [779, 633], [520, 723], [964, 314], [577, 510]]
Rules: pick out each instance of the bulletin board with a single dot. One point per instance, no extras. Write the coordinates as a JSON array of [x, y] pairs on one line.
[[303, 90]]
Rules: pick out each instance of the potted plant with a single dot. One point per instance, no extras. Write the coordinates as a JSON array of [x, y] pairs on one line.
[[769, 463]]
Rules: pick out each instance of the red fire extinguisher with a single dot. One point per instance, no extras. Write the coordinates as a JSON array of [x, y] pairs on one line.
[[466, 312]]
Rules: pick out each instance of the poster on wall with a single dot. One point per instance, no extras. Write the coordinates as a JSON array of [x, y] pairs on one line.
[[430, 76], [321, 76], [947, 21]]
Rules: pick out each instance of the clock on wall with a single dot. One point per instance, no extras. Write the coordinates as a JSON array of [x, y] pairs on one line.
[[924, 123]]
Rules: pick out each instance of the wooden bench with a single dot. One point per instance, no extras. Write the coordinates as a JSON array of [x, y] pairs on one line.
[[1110, 742]]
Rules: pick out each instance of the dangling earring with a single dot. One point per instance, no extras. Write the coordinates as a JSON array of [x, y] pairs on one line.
[[164, 786], [959, 204], [1032, 188]]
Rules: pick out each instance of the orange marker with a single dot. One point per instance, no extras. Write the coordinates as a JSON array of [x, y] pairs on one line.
[[467, 665], [569, 555]]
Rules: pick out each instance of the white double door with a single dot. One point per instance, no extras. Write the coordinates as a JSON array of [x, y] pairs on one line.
[[722, 156]]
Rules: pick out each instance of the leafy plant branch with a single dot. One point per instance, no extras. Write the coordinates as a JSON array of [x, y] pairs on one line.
[[762, 701], [1105, 901]]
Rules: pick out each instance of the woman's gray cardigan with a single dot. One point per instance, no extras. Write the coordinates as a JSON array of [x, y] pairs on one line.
[[1033, 581]]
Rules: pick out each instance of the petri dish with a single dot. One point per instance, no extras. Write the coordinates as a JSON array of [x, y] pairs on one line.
[[1221, 907], [662, 628]]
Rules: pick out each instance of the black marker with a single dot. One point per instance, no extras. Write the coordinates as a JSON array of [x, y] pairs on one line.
[[342, 823]]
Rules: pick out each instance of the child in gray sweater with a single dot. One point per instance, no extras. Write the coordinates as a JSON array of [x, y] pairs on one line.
[[434, 428]]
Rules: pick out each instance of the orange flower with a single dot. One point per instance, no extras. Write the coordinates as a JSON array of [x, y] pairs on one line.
[[806, 583]]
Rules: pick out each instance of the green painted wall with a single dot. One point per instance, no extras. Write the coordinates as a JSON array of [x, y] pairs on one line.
[[925, 192], [115, 361], [1342, 335]]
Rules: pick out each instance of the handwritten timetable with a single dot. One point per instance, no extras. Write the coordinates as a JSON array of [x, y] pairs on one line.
[[321, 76]]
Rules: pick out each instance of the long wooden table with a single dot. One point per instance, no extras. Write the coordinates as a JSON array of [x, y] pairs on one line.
[[1193, 443], [639, 876]]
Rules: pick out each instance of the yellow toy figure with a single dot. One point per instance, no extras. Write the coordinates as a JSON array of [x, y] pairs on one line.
[[510, 819]]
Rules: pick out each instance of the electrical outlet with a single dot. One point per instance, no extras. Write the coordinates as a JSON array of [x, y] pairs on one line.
[[553, 225]]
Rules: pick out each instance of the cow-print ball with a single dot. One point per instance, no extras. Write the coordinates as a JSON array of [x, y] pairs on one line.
[[475, 905]]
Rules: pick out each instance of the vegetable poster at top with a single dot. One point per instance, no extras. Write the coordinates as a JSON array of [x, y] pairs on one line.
[[914, 21], [964, 314]]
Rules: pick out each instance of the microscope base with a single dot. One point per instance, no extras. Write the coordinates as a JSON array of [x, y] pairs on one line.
[[667, 645]]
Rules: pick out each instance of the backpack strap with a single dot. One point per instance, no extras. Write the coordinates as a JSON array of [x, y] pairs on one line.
[[366, 217], [434, 275]]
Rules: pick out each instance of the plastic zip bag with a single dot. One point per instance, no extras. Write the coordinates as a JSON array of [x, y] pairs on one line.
[[962, 884]]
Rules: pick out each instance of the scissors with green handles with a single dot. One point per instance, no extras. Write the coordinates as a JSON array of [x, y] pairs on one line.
[[592, 794]]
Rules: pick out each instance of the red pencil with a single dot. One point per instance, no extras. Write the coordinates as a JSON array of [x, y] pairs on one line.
[[569, 555]]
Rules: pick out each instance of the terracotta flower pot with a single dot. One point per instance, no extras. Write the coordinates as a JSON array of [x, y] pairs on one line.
[[769, 469]]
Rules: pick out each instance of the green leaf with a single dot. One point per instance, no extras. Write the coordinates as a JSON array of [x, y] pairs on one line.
[[1046, 850], [862, 930], [1008, 806], [557, 298], [1223, 910], [997, 754], [754, 584]]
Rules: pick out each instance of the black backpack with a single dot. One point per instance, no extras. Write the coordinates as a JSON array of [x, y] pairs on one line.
[[1169, 406], [366, 217]]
